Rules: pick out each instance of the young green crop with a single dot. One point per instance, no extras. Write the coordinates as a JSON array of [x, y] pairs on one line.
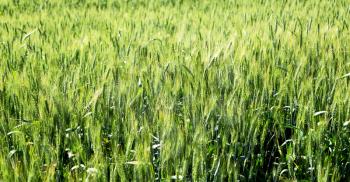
[[165, 90]]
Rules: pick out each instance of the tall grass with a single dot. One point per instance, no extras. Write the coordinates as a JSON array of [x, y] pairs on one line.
[[174, 90]]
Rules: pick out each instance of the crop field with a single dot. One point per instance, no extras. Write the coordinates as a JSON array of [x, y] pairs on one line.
[[174, 90]]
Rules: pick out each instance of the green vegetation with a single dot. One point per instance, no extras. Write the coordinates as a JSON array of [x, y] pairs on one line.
[[248, 90]]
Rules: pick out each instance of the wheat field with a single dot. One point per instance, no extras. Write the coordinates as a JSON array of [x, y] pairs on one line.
[[167, 90]]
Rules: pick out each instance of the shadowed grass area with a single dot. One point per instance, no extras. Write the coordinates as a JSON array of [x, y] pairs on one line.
[[249, 90]]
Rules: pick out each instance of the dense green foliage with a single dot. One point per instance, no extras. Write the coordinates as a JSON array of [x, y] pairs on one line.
[[157, 90]]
